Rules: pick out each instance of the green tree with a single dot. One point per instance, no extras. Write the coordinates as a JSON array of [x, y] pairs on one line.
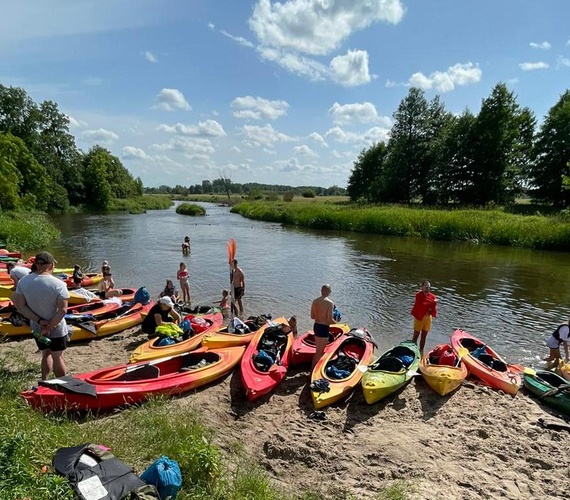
[[549, 171], [96, 162], [367, 169]]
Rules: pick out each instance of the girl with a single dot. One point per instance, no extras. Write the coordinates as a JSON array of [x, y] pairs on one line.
[[170, 291], [224, 303], [182, 276]]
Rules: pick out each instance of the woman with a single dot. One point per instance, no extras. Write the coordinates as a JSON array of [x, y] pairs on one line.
[[170, 291], [106, 287], [560, 336], [162, 312], [424, 309]]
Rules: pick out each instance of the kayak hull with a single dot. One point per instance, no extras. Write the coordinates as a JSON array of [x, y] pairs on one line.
[[385, 376], [508, 381], [304, 346], [118, 386], [443, 379]]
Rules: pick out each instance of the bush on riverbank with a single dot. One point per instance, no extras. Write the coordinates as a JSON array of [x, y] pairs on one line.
[[141, 204], [24, 230], [482, 226], [190, 209]]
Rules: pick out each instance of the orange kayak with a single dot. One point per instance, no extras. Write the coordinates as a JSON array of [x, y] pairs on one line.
[[223, 338], [485, 363], [151, 349]]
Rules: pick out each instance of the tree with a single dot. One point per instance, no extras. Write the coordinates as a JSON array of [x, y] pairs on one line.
[[226, 184], [552, 152], [367, 168], [96, 162]]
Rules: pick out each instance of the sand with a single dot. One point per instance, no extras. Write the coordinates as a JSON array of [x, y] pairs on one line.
[[475, 443]]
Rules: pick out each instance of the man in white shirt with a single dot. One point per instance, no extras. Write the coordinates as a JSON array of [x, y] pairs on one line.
[[17, 272]]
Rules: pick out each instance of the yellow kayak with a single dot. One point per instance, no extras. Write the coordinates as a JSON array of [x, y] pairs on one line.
[[443, 370], [223, 338]]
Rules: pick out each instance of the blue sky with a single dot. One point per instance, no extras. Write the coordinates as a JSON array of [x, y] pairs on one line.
[[274, 92]]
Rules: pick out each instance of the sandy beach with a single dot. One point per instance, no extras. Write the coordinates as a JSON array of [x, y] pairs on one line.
[[476, 443]]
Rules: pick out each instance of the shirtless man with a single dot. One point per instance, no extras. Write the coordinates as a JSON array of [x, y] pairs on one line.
[[238, 283], [322, 313]]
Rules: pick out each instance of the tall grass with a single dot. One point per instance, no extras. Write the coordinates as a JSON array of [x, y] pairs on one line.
[[25, 231], [484, 226], [141, 204]]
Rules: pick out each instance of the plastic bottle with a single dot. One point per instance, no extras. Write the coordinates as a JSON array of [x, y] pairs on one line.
[[41, 338]]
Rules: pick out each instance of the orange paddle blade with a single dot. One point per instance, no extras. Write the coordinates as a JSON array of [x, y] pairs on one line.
[[231, 250]]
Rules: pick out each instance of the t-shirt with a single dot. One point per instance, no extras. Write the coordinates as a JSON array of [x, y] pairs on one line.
[[183, 275], [424, 304], [42, 293], [149, 323], [18, 272]]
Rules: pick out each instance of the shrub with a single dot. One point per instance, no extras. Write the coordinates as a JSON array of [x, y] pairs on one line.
[[308, 193], [190, 209], [288, 196], [272, 197]]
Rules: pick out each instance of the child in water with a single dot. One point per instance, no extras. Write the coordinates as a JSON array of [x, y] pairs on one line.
[[183, 277], [224, 303]]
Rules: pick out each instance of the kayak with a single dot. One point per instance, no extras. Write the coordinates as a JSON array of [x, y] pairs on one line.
[[304, 345], [75, 297], [391, 371], [151, 349], [341, 366], [443, 370], [223, 338], [129, 384], [15, 326], [7, 254], [485, 363], [266, 359], [89, 280], [125, 316], [551, 389]]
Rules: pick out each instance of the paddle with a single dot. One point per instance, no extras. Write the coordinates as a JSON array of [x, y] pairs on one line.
[[555, 391], [90, 325], [232, 247]]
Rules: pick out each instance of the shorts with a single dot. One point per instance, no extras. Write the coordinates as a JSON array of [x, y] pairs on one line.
[[57, 344], [424, 325], [321, 331], [552, 343], [238, 292]]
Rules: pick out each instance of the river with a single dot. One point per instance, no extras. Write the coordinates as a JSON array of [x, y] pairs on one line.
[[510, 298]]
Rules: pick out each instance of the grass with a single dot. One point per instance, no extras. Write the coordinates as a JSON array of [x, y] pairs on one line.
[[25, 230], [546, 232], [137, 436], [190, 209]]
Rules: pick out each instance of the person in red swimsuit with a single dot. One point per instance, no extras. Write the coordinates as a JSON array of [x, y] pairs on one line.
[[425, 308]]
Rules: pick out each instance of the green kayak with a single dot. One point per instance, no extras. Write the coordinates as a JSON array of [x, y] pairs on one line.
[[550, 388]]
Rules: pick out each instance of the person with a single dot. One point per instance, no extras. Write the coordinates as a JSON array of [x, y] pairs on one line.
[[106, 287], [16, 272], [560, 336], [170, 291], [238, 284], [43, 299], [105, 267], [322, 313], [183, 276], [162, 312], [224, 303], [293, 324], [186, 245], [424, 309], [77, 275]]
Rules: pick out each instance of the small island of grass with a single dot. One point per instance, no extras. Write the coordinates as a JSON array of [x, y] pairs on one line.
[[190, 209]]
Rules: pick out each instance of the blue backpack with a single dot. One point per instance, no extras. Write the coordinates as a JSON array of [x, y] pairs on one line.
[[336, 314], [142, 296], [165, 474]]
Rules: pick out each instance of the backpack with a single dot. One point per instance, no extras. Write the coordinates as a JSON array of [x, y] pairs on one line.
[[263, 360], [165, 474], [142, 296], [336, 314]]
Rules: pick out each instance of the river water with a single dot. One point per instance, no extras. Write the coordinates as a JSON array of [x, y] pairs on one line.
[[510, 298]]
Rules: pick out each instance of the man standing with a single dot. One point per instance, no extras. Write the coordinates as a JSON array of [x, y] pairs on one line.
[[238, 283], [322, 312], [42, 298], [17, 272]]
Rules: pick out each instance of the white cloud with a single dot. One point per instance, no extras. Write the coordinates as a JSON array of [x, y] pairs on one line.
[[236, 149], [319, 139], [305, 151], [150, 57], [171, 100], [76, 123], [390, 84], [375, 134], [563, 61], [513, 81], [238, 39], [132, 153], [212, 26], [188, 146], [257, 108], [541, 45], [351, 69], [364, 112], [208, 128], [531, 66], [318, 26], [458, 74], [294, 63], [263, 136], [100, 135]]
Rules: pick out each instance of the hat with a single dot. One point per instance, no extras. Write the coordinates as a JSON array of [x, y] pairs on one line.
[[167, 301], [43, 258]]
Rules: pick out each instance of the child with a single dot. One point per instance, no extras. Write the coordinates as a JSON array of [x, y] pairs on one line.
[[425, 307], [77, 275], [224, 303], [183, 276], [170, 291], [186, 245], [105, 267]]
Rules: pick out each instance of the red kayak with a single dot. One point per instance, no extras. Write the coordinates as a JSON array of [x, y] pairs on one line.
[[485, 363], [266, 359], [6, 254], [304, 345], [129, 384]]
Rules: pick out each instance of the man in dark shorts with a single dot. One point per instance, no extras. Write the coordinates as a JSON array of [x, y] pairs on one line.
[[42, 298], [238, 283], [322, 312]]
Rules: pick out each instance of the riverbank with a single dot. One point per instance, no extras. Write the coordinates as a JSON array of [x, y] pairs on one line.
[[476, 443], [495, 227]]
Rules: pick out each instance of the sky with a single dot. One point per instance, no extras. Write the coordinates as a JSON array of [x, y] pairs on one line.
[[272, 92]]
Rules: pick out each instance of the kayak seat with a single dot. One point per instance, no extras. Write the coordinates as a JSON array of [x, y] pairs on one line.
[[401, 350], [550, 378], [142, 373], [470, 344], [390, 364], [494, 363]]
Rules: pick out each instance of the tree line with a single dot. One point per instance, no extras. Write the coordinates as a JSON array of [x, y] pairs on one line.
[[437, 158], [41, 168]]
